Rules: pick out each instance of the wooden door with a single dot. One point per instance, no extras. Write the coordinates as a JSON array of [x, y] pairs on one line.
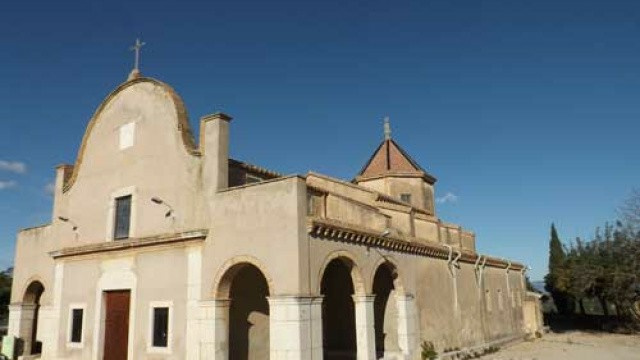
[[116, 328]]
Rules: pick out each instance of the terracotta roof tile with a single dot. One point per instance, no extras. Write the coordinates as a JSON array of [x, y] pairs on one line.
[[390, 159]]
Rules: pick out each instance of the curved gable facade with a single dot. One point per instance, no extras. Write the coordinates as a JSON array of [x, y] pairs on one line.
[[137, 143]]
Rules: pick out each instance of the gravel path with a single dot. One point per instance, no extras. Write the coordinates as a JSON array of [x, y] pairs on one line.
[[574, 345]]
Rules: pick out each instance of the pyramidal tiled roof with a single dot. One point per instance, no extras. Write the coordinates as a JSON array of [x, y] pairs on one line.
[[390, 159]]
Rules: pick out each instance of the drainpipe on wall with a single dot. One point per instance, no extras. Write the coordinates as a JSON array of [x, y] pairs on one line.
[[478, 270], [481, 299], [507, 276], [452, 264]]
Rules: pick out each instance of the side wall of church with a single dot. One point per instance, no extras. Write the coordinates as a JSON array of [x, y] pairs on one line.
[[452, 314]]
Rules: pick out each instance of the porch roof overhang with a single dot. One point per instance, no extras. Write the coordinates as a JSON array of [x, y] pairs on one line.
[[131, 243]]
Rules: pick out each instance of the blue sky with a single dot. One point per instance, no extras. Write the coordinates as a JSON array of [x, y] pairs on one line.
[[526, 111]]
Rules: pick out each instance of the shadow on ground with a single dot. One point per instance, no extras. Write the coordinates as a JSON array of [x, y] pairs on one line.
[[589, 323]]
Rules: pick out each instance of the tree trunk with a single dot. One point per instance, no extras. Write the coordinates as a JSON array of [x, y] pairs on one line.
[[582, 312], [603, 304]]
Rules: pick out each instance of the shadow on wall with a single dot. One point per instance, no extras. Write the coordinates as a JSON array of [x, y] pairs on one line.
[[338, 315], [385, 312], [249, 316]]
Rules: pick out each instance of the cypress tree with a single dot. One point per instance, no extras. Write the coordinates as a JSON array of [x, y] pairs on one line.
[[557, 281]]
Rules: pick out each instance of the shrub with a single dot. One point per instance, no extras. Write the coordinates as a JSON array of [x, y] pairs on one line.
[[428, 351]]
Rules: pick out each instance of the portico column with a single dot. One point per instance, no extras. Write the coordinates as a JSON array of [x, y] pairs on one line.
[[295, 327], [407, 326], [365, 327], [21, 319], [214, 327]]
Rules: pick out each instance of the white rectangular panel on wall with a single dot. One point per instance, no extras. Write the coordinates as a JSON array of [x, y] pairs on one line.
[[127, 133]]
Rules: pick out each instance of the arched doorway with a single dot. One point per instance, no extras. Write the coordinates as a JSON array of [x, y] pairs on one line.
[[248, 322], [31, 309], [385, 310], [338, 314]]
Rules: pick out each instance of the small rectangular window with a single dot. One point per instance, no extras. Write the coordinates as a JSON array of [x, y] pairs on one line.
[[160, 327], [122, 217], [406, 198], [76, 326], [500, 306]]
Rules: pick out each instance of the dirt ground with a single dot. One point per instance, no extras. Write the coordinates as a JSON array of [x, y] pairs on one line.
[[573, 345]]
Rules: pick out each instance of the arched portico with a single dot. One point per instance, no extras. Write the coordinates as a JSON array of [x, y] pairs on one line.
[[338, 312], [394, 313], [246, 320], [26, 328], [243, 308], [354, 271], [386, 310], [347, 310]]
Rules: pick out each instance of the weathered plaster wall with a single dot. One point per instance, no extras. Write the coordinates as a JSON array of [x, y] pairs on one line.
[[159, 276], [157, 164], [431, 282], [33, 263], [262, 223]]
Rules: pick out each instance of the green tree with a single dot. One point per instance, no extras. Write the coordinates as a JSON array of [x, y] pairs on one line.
[[529, 285], [557, 281], [5, 292]]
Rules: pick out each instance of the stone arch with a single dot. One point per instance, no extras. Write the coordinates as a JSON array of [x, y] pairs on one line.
[[245, 288], [340, 284], [349, 260], [386, 287], [33, 291], [30, 317], [392, 264], [223, 279]]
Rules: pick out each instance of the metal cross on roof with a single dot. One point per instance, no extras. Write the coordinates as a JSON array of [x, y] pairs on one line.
[[136, 48], [387, 128]]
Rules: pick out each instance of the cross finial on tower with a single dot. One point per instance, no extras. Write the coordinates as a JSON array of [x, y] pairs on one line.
[[136, 49], [387, 128]]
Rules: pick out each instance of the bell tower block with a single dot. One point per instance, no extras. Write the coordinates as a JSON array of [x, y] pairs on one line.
[[391, 171]]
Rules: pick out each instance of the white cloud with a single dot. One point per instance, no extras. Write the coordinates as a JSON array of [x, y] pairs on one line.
[[13, 166], [447, 198], [7, 184], [50, 188]]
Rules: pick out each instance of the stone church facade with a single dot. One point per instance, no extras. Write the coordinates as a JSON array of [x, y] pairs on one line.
[[161, 247]]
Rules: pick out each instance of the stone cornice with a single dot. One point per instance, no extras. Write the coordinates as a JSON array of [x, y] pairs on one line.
[[339, 231], [132, 243], [423, 175]]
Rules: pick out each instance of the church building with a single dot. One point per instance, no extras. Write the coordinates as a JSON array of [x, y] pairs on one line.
[[164, 247]]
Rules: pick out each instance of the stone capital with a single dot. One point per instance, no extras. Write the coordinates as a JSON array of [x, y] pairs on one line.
[[293, 300], [215, 303], [363, 298]]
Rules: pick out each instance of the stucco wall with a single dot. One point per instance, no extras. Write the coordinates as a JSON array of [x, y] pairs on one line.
[[158, 276], [156, 165], [33, 263], [261, 223]]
